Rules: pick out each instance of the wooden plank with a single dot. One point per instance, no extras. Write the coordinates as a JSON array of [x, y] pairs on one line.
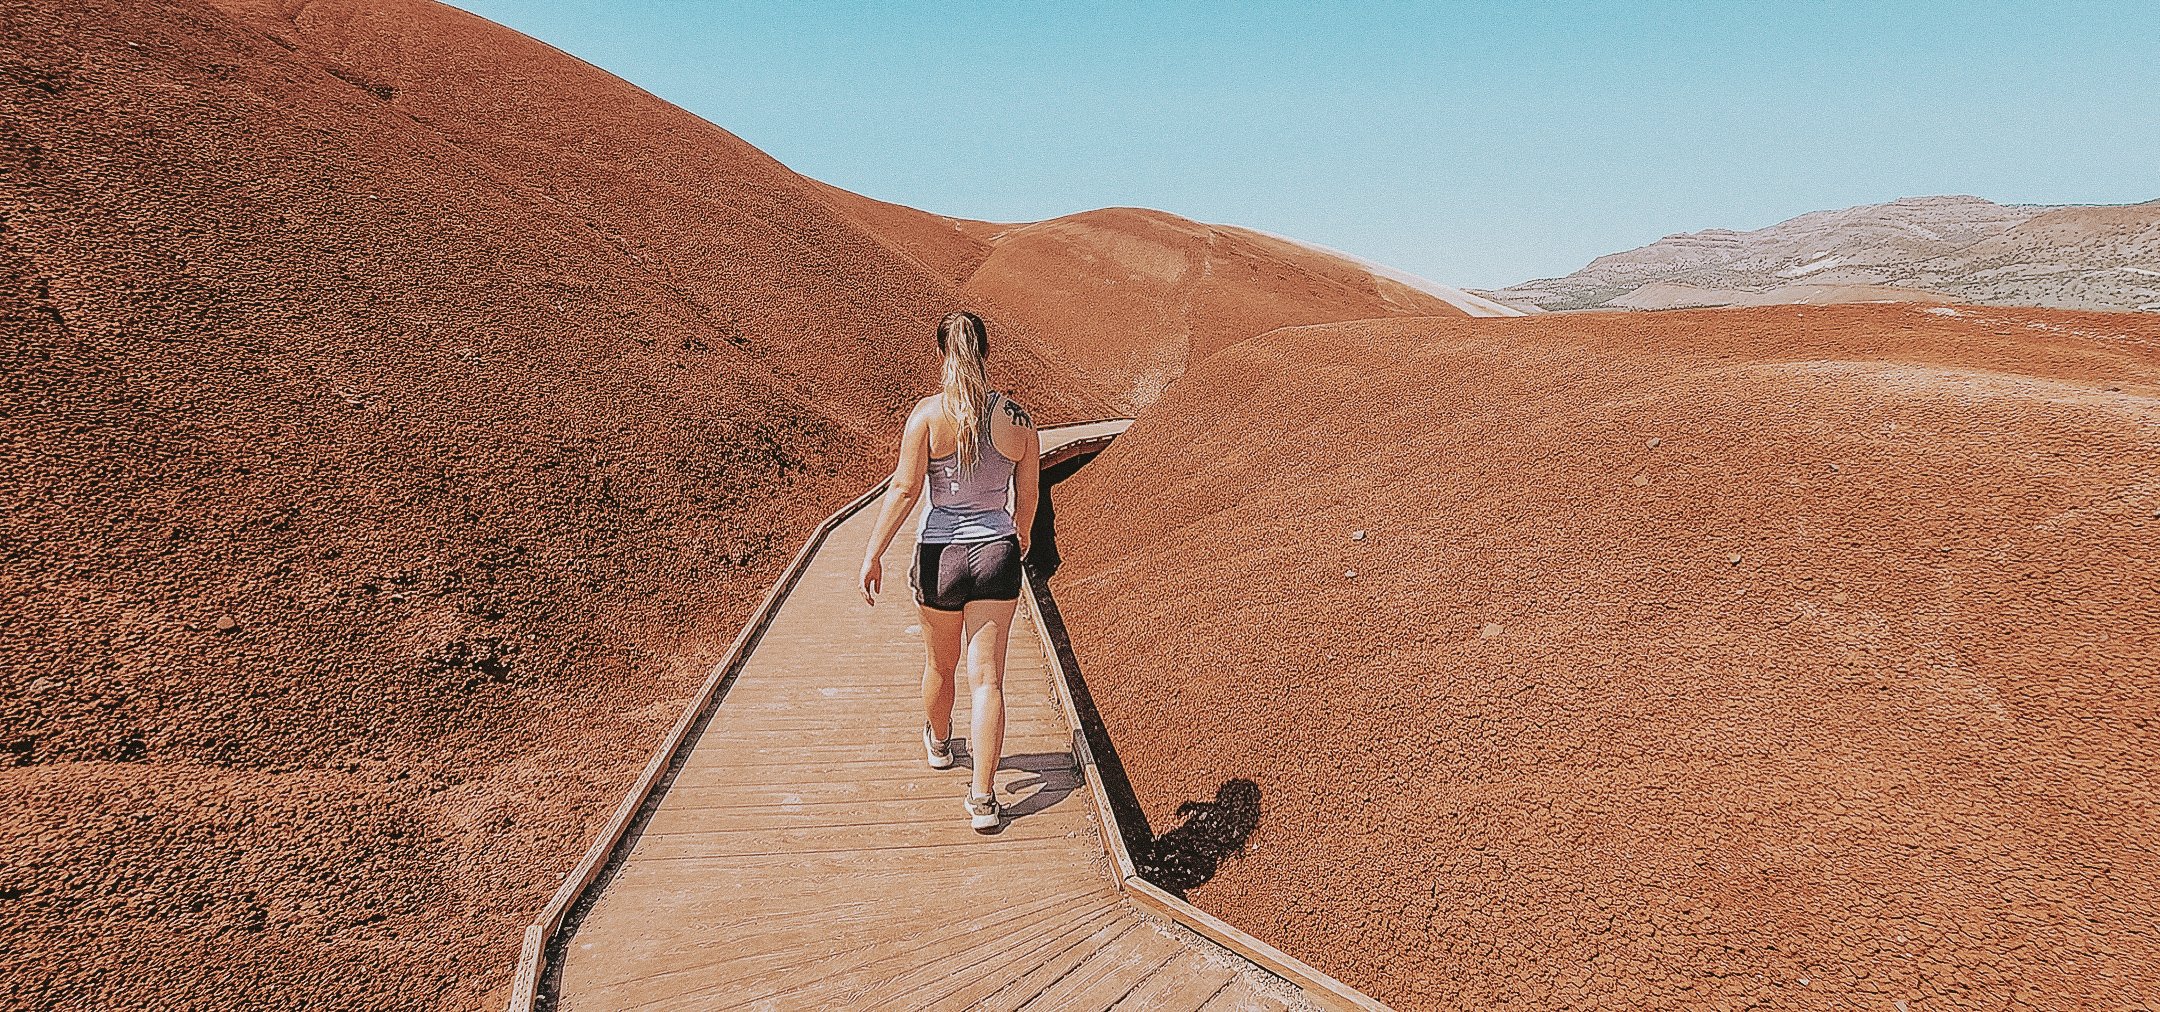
[[1067, 814], [800, 932], [902, 949], [1184, 983], [1106, 977], [1026, 987], [967, 990], [802, 973], [1042, 751], [842, 839], [909, 968]]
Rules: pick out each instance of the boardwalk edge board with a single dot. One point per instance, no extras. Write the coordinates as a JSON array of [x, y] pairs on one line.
[[1112, 830], [532, 958]]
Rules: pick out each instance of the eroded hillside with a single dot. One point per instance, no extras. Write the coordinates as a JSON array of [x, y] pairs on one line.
[[1784, 657], [400, 415], [1130, 298]]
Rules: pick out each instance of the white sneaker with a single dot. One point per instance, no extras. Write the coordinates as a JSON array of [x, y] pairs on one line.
[[937, 750], [984, 813]]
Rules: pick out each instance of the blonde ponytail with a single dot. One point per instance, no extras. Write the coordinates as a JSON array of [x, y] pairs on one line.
[[964, 382]]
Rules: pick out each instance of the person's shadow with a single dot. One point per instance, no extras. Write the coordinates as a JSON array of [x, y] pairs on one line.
[[1188, 854], [1053, 776]]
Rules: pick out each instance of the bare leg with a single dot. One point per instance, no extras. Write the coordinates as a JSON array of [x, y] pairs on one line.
[[941, 657], [988, 623]]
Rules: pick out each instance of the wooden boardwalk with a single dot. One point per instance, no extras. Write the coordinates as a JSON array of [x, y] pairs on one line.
[[807, 858]]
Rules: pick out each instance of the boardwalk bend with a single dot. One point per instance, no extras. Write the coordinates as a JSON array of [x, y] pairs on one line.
[[787, 848]]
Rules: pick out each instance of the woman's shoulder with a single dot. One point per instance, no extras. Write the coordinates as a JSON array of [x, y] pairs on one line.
[[1010, 410]]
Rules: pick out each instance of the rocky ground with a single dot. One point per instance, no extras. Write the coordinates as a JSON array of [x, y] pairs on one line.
[[1788, 657]]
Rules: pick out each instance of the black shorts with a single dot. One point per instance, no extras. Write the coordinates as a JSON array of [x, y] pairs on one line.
[[947, 576]]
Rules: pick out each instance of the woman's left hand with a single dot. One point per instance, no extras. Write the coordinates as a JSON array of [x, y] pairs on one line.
[[873, 579]]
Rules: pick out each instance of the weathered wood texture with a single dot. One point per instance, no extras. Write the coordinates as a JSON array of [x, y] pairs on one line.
[[806, 857]]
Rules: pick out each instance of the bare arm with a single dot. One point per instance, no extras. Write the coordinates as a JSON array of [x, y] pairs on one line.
[[1027, 477], [901, 495]]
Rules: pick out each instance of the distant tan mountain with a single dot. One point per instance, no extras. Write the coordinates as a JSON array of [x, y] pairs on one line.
[[1915, 249]]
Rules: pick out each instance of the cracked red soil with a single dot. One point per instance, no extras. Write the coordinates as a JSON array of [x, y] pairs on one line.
[[1780, 657]]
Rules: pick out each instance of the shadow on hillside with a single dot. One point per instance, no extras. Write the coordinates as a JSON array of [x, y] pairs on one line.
[[1186, 855], [1043, 557]]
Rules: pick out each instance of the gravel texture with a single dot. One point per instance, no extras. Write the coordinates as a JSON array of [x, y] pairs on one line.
[[1782, 657]]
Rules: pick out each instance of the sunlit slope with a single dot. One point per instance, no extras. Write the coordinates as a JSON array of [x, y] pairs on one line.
[[1795, 656]]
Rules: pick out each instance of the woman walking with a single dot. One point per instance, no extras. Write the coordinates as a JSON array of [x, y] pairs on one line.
[[972, 446]]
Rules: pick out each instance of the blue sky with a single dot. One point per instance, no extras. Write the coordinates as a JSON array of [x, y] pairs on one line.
[[1477, 145]]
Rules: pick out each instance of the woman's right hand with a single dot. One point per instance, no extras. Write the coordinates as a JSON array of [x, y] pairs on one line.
[[873, 579]]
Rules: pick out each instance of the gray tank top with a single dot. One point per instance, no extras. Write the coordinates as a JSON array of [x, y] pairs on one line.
[[969, 505]]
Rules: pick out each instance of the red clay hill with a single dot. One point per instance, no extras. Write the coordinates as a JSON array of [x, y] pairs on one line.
[[1780, 657], [400, 415], [1131, 297]]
